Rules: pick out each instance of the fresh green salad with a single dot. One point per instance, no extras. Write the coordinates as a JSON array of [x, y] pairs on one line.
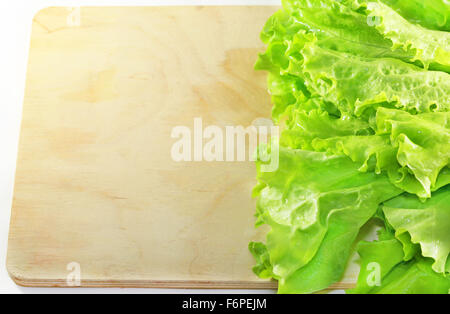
[[361, 92]]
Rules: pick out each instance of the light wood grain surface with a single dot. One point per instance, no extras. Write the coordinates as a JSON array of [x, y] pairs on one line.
[[95, 181]]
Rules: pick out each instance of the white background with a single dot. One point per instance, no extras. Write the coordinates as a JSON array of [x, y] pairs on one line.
[[15, 30]]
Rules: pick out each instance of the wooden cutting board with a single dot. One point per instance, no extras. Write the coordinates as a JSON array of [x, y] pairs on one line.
[[97, 192]]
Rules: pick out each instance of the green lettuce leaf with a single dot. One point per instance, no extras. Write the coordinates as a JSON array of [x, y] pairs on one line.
[[432, 14], [428, 224], [412, 149], [357, 83], [361, 92], [431, 47], [286, 90], [334, 26], [410, 249], [378, 258], [305, 126], [263, 267], [423, 142], [383, 272], [414, 277], [311, 202]]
